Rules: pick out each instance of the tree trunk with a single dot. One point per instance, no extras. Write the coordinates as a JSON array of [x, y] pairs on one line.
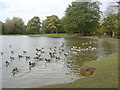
[[113, 34], [56, 31]]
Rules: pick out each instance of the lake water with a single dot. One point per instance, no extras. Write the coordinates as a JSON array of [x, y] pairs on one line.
[[60, 71]]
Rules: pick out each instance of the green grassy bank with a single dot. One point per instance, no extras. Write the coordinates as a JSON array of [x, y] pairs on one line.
[[51, 35], [106, 75]]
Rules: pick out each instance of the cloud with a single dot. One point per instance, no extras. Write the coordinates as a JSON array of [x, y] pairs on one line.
[[26, 9]]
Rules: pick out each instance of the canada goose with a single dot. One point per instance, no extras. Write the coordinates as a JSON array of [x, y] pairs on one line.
[[10, 46], [31, 64], [15, 70], [62, 44], [36, 57], [42, 52], [37, 49], [47, 60], [7, 63], [27, 57], [58, 58], [24, 52], [59, 52], [39, 55], [20, 56], [12, 52], [1, 53], [65, 54], [36, 54], [12, 58], [41, 59], [50, 49]]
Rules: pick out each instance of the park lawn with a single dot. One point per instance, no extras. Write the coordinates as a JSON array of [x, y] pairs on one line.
[[106, 75]]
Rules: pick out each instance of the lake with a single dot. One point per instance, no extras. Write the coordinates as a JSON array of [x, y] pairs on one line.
[[75, 52]]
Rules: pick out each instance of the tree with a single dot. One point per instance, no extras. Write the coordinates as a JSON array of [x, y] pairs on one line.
[[82, 17], [1, 27], [110, 24], [14, 26], [111, 21], [44, 28], [51, 24], [33, 25]]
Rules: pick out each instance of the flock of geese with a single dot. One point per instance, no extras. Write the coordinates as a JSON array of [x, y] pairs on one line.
[[53, 52]]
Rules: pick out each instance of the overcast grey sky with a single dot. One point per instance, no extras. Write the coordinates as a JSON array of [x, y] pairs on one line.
[[26, 9]]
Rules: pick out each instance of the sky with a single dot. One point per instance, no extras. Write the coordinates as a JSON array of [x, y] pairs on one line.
[[26, 9]]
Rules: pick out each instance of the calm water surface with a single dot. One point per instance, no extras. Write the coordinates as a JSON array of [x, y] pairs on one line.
[[64, 70]]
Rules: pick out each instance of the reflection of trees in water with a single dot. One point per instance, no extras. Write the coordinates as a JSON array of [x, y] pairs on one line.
[[76, 60]]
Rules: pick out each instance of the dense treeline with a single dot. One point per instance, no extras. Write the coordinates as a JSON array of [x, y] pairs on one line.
[[83, 18]]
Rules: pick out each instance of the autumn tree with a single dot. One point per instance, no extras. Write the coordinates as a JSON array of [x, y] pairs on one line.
[[33, 25], [51, 24]]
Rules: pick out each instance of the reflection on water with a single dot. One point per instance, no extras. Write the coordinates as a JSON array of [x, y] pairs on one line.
[[75, 53]]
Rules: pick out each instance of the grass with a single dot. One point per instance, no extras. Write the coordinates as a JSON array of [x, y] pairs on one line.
[[106, 75], [51, 35]]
